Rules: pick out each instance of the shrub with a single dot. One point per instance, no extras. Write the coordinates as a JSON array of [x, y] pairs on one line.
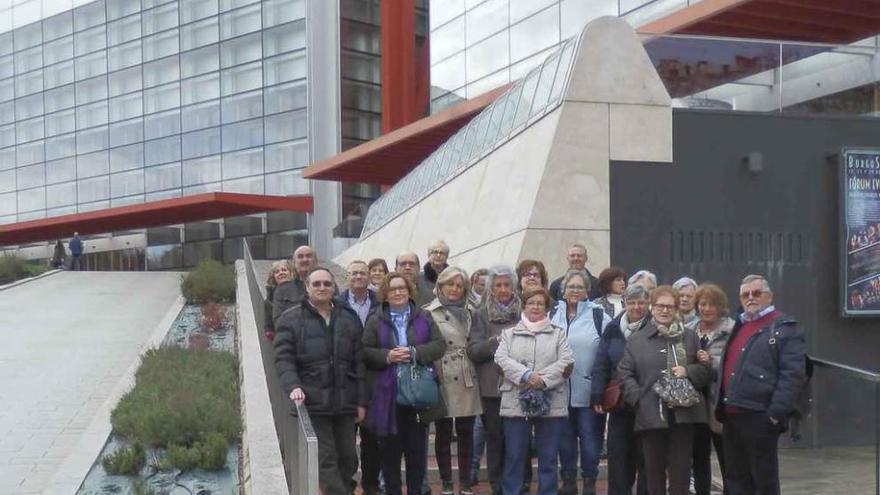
[[13, 268], [208, 454], [213, 316], [126, 460], [141, 488], [210, 281], [180, 397]]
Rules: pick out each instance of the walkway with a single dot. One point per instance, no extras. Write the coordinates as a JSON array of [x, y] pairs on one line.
[[66, 340]]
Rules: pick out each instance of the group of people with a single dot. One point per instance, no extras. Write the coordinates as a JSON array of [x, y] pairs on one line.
[[536, 363]]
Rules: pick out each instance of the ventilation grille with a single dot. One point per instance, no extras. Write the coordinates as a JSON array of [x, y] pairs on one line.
[[787, 248]]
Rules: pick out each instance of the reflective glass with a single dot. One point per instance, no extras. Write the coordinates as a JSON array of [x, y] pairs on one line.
[[91, 65], [162, 98], [198, 89], [161, 71], [61, 170], [199, 33], [90, 40], [284, 97], [91, 140], [284, 38], [201, 143], [91, 115], [240, 50], [126, 55], [28, 107], [7, 112], [534, 34], [284, 156], [95, 189], [285, 68], [91, 90], [122, 8], [7, 137], [360, 66], [486, 19], [6, 43], [60, 194], [562, 73], [60, 122], [243, 135], [58, 74], [92, 164], [206, 59], [159, 18], [241, 78], [7, 206], [31, 176], [164, 177], [125, 29], [545, 84], [125, 81], [449, 74], [130, 131], [7, 180], [33, 152], [29, 83], [277, 12], [201, 116], [28, 59], [29, 130], [232, 4], [250, 185], [61, 146], [240, 21], [441, 11], [241, 107], [7, 67], [162, 150], [488, 56], [201, 170], [526, 98], [127, 157], [162, 124], [27, 36], [191, 10], [58, 25], [160, 45], [127, 183], [58, 50], [32, 199], [447, 40], [7, 89], [286, 126], [89, 15]]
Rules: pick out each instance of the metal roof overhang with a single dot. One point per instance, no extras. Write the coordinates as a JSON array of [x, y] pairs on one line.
[[824, 21], [153, 214], [388, 158]]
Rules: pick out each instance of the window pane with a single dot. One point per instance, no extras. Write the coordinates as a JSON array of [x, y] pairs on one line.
[[7, 138], [32, 176], [160, 45], [33, 152], [28, 36], [243, 135], [162, 150], [7, 68], [242, 107], [199, 89], [191, 10], [58, 50], [126, 184], [201, 143], [286, 126], [90, 65], [250, 185], [91, 115], [92, 164], [61, 195], [61, 146], [231, 4], [122, 8], [89, 15], [34, 199], [284, 38], [161, 71], [201, 170], [123, 30], [58, 74], [7, 112], [201, 116], [277, 12], [58, 26], [7, 89], [240, 50], [61, 170], [126, 107], [162, 124], [286, 156], [242, 164], [239, 22], [90, 40], [28, 60], [282, 98], [164, 177], [29, 83], [242, 78], [160, 18], [285, 68], [200, 61], [162, 98], [28, 107], [29, 130], [91, 90], [125, 81], [199, 34], [6, 43], [127, 157], [130, 131], [7, 181], [121, 56], [93, 189], [91, 140], [60, 123]]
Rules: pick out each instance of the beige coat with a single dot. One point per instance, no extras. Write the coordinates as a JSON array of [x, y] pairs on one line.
[[459, 386], [546, 352]]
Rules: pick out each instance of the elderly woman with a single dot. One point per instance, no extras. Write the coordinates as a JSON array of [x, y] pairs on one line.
[[644, 278], [500, 309], [533, 356], [663, 347], [612, 284], [687, 289], [623, 451], [713, 329], [458, 379], [378, 269], [478, 287], [280, 273], [532, 275], [583, 323], [392, 334]]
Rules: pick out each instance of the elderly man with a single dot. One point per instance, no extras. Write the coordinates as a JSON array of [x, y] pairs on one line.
[[407, 264], [577, 261], [292, 293], [438, 253], [763, 372], [318, 356], [687, 290]]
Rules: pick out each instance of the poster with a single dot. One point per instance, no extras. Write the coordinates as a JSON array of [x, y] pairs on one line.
[[860, 226]]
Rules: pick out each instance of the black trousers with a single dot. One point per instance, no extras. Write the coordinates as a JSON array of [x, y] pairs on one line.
[[624, 456], [464, 430], [409, 443], [704, 438], [371, 461], [750, 454], [668, 450], [493, 432], [337, 452]]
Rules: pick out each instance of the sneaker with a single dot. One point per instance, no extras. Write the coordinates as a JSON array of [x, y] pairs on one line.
[[466, 491], [448, 488]]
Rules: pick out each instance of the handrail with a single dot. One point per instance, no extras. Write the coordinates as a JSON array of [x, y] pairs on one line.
[[869, 375]]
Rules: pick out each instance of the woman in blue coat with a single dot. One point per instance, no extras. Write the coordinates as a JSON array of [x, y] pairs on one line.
[[583, 322]]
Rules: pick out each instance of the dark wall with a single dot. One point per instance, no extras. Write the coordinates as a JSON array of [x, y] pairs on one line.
[[707, 217]]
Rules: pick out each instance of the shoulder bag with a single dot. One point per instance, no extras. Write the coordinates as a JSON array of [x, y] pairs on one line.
[[416, 385]]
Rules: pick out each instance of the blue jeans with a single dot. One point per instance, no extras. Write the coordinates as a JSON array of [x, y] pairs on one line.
[[581, 428], [517, 433], [479, 446]]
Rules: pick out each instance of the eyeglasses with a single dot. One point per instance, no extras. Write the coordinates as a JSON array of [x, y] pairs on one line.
[[539, 304], [751, 294], [407, 263], [322, 283], [400, 290], [437, 252], [532, 275], [663, 307], [577, 288], [639, 302], [357, 274]]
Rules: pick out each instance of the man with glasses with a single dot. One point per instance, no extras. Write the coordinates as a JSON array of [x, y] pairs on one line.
[[318, 356], [763, 371], [407, 264], [577, 261], [292, 293], [438, 253]]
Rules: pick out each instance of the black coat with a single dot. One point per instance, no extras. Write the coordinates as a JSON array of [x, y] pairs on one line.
[[325, 361], [287, 295], [342, 299], [608, 356], [556, 287]]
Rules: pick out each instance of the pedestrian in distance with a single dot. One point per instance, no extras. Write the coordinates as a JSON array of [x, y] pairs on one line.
[[58, 255], [76, 250]]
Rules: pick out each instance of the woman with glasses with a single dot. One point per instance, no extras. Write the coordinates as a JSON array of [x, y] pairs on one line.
[[624, 460], [583, 323], [533, 356], [391, 335], [532, 275], [664, 347]]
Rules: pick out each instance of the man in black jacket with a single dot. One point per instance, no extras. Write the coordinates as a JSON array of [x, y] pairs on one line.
[[290, 294], [318, 356], [763, 370], [577, 261]]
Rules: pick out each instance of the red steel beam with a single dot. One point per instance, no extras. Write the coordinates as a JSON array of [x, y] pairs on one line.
[[398, 32]]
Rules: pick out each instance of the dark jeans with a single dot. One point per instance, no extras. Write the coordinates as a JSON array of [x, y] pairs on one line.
[[76, 262], [624, 456], [479, 446], [750, 454], [668, 450], [409, 443], [493, 432], [337, 452], [371, 461], [464, 429], [581, 435], [704, 437], [517, 437]]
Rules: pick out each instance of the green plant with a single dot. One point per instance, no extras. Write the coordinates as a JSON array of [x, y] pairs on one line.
[[13, 267], [210, 281], [141, 488], [126, 460], [208, 454]]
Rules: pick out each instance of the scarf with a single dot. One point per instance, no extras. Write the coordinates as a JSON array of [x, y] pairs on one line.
[[629, 328], [534, 326], [430, 273], [458, 309], [674, 344], [499, 313], [474, 298]]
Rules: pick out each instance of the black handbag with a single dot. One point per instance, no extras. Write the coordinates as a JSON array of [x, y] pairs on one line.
[[675, 391]]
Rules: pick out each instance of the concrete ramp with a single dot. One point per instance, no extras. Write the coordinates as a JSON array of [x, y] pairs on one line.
[[65, 341]]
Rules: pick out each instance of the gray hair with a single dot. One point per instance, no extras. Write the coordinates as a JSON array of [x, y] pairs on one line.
[[751, 278], [449, 273], [635, 292], [439, 244], [639, 275], [684, 282], [575, 273], [499, 271]]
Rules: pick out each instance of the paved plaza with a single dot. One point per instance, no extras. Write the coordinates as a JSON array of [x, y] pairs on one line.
[[67, 339]]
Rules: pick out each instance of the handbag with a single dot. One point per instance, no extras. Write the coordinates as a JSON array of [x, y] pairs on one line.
[[416, 386], [612, 397], [675, 391]]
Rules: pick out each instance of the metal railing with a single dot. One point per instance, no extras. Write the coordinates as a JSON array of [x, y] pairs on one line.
[[296, 436]]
